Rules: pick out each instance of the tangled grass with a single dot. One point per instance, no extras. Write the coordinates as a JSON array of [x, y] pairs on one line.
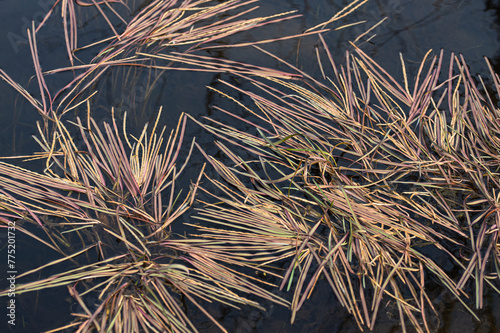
[[157, 27], [364, 183], [116, 194], [354, 179], [109, 196]]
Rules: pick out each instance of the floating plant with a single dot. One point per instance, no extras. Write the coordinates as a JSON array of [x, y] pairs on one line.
[[351, 178], [363, 182]]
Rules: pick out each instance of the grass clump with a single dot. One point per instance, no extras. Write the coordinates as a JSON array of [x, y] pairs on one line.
[[352, 178], [107, 206], [365, 183]]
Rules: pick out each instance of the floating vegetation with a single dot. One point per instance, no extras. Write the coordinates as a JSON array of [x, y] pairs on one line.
[[159, 26], [106, 201], [352, 178], [364, 183], [118, 199]]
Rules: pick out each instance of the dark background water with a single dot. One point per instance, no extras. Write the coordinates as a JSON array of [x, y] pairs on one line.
[[469, 27]]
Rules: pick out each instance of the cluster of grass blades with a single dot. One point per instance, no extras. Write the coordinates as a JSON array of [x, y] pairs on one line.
[[354, 179], [107, 207], [158, 26], [106, 202], [365, 183]]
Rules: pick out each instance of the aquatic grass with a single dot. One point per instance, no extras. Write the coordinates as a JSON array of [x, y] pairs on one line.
[[94, 189], [357, 179], [106, 196], [361, 181], [106, 176], [104, 189], [272, 227], [143, 293], [69, 13], [160, 26]]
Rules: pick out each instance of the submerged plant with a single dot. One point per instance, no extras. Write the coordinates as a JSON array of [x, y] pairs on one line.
[[364, 183]]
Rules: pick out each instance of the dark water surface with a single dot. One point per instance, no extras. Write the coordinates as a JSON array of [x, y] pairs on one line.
[[469, 27]]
